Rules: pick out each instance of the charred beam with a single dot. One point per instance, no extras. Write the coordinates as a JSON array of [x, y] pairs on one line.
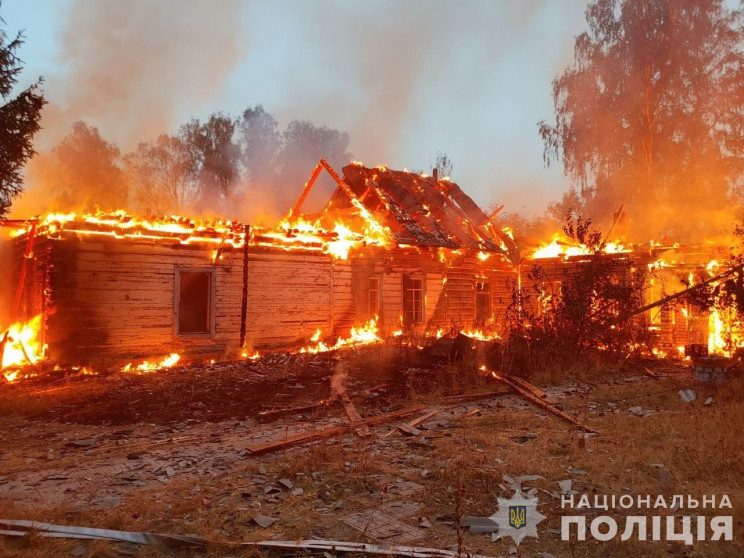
[[244, 299], [670, 298]]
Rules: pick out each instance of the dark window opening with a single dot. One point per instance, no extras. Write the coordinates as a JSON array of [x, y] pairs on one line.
[[413, 300], [482, 301], [195, 301]]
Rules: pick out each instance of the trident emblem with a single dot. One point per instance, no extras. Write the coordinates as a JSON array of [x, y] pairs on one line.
[[517, 516]]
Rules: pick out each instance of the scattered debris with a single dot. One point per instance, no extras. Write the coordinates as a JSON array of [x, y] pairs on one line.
[[566, 486], [479, 524], [687, 395], [22, 528], [264, 520], [382, 526], [516, 483], [709, 401]]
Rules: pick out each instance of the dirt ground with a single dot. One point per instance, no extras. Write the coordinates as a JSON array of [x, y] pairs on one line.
[[167, 453]]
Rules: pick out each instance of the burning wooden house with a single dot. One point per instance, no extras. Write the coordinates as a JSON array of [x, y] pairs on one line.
[[393, 250]]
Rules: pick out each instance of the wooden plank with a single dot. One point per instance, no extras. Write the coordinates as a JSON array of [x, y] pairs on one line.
[[531, 397], [325, 433], [415, 422]]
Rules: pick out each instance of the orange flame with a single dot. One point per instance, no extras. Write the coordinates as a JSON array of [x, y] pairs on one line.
[[562, 247], [23, 346], [363, 335], [167, 362]]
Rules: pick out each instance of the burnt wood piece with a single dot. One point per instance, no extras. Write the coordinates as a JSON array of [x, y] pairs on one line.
[[415, 422]]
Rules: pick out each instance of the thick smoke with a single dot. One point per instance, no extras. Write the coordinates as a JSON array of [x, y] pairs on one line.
[[132, 69]]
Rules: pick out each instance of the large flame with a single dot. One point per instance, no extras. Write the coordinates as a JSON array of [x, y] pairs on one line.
[[291, 233], [23, 346], [565, 248]]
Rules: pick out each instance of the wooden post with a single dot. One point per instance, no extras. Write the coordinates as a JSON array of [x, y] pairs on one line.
[[244, 302], [27, 253]]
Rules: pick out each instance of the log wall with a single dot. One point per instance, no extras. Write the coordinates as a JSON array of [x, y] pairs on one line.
[[111, 299], [115, 299]]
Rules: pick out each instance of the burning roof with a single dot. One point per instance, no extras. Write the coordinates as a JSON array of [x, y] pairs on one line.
[[419, 210]]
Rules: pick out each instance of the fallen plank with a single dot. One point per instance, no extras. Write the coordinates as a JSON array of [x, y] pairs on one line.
[[536, 391], [531, 397], [414, 422], [289, 410], [410, 430], [24, 528], [650, 372], [351, 411], [474, 396], [325, 433]]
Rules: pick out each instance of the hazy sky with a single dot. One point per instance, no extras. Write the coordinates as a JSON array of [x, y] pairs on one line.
[[405, 78]]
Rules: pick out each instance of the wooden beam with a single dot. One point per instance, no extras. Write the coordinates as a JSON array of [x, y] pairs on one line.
[[351, 411], [244, 297], [308, 186], [532, 398], [325, 433], [415, 422], [679, 294]]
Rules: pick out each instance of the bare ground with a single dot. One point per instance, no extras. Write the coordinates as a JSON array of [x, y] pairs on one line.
[[166, 452]]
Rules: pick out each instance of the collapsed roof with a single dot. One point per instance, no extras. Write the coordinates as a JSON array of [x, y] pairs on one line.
[[419, 210]]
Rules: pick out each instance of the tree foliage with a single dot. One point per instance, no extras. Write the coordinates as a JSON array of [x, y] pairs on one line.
[[19, 121], [88, 171], [650, 113], [164, 176], [443, 164], [304, 143], [214, 152], [260, 140]]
